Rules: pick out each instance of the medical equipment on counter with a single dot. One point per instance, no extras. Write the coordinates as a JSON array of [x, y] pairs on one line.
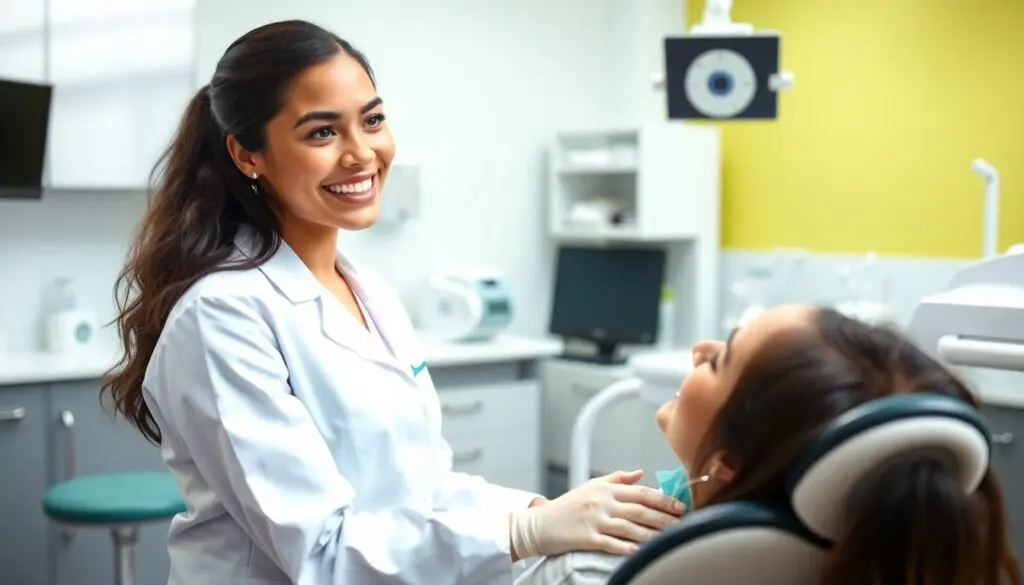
[[656, 378], [723, 69], [748, 542], [69, 328], [979, 320], [607, 296], [465, 305], [990, 230]]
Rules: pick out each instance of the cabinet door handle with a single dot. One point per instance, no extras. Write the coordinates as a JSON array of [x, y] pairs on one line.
[[12, 414], [468, 456], [67, 421], [1002, 438], [463, 409]]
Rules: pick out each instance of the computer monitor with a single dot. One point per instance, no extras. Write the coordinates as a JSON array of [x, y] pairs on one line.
[[608, 296], [24, 124]]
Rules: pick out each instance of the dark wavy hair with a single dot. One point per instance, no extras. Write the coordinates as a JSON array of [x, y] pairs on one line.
[[200, 199], [919, 527]]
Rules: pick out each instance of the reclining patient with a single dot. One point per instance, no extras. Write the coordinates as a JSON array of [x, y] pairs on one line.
[[750, 406]]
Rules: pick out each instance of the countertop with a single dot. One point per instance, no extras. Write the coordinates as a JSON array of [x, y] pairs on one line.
[[36, 368], [40, 368]]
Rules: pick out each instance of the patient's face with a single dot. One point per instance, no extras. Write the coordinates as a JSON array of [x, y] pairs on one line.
[[686, 418]]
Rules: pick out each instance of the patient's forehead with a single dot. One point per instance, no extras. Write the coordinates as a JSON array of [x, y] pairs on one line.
[[774, 325]]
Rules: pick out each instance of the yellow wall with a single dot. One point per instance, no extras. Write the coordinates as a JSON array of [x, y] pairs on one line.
[[893, 100]]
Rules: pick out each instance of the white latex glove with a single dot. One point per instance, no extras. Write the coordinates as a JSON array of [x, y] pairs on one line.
[[607, 514]]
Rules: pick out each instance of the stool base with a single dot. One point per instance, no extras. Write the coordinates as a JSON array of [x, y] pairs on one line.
[[125, 538]]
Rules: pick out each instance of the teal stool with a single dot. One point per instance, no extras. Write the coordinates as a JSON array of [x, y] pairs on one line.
[[119, 502]]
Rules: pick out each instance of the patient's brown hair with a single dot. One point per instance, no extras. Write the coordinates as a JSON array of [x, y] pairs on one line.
[[918, 528]]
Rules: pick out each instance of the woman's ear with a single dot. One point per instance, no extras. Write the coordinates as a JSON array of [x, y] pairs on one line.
[[712, 478], [246, 162], [720, 471]]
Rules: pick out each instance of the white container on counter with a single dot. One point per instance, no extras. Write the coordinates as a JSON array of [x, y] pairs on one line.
[[68, 329]]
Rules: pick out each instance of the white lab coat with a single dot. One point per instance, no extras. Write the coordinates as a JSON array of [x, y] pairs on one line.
[[307, 450], [572, 568]]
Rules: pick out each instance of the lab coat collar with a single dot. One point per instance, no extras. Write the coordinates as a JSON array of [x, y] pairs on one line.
[[387, 315], [284, 269], [289, 275]]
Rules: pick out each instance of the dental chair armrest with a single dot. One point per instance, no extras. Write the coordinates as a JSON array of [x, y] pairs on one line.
[[726, 544]]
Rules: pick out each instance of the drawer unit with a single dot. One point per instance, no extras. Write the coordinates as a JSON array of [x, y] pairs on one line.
[[494, 432]]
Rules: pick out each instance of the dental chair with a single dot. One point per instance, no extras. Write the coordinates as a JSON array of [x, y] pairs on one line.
[[787, 544]]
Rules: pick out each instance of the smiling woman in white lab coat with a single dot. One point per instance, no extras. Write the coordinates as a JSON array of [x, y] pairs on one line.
[[283, 384]]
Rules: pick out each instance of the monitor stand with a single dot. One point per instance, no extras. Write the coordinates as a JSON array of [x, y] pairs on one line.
[[605, 356]]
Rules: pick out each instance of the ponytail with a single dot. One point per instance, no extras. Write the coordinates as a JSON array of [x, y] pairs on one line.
[[916, 526], [198, 202]]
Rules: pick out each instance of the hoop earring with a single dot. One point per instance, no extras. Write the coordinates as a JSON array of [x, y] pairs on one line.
[[701, 479], [706, 477], [255, 186]]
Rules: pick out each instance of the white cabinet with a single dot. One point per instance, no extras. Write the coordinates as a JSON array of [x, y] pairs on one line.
[[22, 40], [122, 75], [494, 432], [658, 184], [655, 183], [626, 436]]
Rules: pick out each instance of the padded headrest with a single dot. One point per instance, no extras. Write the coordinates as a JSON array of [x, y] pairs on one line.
[[854, 448], [728, 544]]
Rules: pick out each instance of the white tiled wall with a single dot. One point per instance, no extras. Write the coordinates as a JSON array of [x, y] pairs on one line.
[[816, 278]]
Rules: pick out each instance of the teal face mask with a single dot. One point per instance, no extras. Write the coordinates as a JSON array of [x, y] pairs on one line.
[[676, 483]]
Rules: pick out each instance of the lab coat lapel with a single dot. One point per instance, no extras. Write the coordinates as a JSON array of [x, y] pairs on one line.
[[341, 327], [294, 281], [389, 317]]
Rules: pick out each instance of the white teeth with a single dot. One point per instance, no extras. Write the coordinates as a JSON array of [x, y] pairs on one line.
[[351, 188]]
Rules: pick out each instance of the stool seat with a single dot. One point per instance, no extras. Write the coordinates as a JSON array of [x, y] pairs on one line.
[[111, 499]]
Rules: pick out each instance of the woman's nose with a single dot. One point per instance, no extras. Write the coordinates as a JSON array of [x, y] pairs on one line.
[[357, 153]]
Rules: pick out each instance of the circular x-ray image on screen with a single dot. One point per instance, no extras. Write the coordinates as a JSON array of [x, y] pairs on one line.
[[720, 83]]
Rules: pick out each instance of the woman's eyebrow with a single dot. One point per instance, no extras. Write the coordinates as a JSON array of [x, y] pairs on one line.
[[328, 116]]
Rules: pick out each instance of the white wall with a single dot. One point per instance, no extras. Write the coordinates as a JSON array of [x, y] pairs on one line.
[[474, 90], [80, 235]]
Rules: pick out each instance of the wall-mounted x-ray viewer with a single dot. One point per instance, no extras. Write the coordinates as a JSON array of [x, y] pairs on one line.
[[723, 70]]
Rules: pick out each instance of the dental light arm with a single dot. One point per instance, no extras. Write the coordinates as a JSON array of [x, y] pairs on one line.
[[718, 20], [986, 171]]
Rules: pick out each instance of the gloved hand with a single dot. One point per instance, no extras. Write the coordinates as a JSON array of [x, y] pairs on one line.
[[607, 514]]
